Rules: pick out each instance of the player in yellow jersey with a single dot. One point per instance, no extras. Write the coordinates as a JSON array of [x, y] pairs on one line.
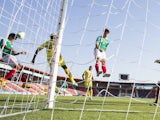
[[87, 76], [50, 45]]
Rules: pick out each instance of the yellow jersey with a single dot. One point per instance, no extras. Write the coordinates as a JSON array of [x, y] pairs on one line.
[[88, 75], [49, 45]]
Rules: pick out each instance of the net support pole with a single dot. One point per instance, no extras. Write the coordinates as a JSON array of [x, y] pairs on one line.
[[54, 71]]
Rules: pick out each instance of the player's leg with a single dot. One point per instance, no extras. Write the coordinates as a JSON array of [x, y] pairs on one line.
[[97, 67], [67, 71], [157, 95], [10, 74], [90, 89], [12, 61], [89, 92], [97, 57], [15, 65], [104, 68], [86, 84]]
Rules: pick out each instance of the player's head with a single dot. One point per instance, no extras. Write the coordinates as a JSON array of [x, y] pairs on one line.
[[90, 67], [12, 36], [106, 32], [53, 36]]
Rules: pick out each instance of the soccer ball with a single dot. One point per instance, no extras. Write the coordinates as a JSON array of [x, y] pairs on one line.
[[21, 35]]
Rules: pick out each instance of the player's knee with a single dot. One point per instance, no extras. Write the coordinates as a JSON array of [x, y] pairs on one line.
[[67, 71], [103, 62]]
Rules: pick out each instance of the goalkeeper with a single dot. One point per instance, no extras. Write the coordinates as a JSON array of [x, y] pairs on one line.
[[50, 45], [87, 76], [9, 54]]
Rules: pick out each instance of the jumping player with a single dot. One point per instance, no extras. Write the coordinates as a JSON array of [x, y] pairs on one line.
[[50, 45], [9, 54], [102, 43], [157, 93], [87, 76]]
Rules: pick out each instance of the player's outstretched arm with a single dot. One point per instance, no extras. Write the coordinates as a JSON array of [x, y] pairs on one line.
[[17, 53], [34, 57], [83, 76]]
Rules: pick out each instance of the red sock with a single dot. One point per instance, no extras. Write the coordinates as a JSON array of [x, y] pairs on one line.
[[97, 67], [10, 74], [104, 69]]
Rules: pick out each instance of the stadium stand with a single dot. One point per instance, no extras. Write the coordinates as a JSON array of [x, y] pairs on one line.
[[36, 85]]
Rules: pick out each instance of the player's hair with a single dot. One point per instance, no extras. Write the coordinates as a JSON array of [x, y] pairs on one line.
[[90, 67], [12, 36], [52, 36], [106, 30]]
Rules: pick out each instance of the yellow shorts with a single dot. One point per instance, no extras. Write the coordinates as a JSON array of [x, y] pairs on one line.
[[60, 63], [88, 84]]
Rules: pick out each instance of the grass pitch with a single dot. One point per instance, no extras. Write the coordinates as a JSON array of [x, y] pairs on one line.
[[71, 108]]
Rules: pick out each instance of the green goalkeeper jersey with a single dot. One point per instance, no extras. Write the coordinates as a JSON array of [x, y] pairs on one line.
[[102, 42]]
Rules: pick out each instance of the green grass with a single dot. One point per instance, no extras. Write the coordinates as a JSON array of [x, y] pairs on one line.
[[69, 108]]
